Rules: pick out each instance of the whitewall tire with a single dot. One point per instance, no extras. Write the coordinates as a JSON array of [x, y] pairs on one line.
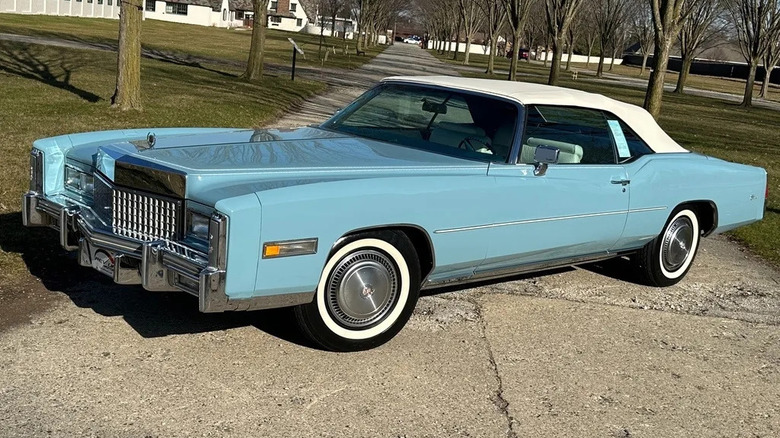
[[667, 258], [366, 293]]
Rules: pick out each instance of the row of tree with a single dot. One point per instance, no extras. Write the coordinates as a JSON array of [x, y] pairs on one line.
[[658, 26], [372, 19]]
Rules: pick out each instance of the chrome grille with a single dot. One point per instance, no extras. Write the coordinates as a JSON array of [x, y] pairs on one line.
[[144, 217]]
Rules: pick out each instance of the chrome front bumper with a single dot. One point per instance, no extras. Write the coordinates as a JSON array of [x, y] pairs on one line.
[[157, 266]]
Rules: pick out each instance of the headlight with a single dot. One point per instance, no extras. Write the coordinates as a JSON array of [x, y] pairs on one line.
[[79, 182], [36, 170], [198, 225]]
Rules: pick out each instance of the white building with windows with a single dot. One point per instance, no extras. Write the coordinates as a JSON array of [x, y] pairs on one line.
[[77, 8], [289, 15]]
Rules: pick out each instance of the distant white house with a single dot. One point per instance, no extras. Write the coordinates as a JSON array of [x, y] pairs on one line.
[[77, 8], [289, 15]]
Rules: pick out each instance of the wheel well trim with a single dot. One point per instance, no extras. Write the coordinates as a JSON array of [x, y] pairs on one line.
[[396, 227], [696, 203]]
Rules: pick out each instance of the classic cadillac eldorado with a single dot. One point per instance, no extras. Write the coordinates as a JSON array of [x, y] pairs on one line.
[[422, 181]]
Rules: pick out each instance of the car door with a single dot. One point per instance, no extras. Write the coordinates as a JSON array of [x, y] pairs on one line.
[[576, 208]]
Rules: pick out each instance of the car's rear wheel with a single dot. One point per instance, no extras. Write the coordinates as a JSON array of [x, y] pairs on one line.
[[366, 294], [665, 260]]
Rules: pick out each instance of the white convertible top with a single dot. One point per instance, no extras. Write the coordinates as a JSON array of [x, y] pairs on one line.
[[535, 94]]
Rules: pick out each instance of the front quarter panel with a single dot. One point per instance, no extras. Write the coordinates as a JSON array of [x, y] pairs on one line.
[[330, 210]]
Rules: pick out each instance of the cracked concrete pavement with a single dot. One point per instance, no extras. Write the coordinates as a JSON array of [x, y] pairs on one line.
[[573, 352]]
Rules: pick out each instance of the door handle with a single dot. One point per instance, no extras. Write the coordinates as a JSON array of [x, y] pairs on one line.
[[622, 182]]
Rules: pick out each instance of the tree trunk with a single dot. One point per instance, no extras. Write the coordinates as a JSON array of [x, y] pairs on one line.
[[765, 85], [127, 94], [492, 57], [254, 66], [655, 85], [569, 54], [468, 51], [612, 60], [590, 50], [515, 56], [457, 40], [644, 63], [600, 70], [333, 25], [687, 60], [751, 80], [555, 65]]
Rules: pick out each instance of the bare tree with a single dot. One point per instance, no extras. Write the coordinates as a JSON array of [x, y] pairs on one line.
[[571, 40], [127, 94], [757, 23], [667, 19], [644, 32], [254, 65], [560, 14], [771, 59], [698, 29], [473, 19], [495, 17], [590, 30], [517, 14], [609, 15]]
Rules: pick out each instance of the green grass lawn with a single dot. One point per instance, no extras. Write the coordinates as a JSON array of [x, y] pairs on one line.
[[711, 127], [186, 39], [51, 91]]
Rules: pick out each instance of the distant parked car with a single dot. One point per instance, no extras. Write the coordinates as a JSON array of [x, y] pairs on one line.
[[421, 182], [523, 54], [414, 39]]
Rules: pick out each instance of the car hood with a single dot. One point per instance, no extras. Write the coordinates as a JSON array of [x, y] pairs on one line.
[[216, 163]]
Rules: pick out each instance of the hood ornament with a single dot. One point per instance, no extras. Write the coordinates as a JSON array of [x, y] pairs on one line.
[[151, 139]]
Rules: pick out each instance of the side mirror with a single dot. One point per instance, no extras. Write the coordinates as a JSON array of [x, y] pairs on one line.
[[543, 156]]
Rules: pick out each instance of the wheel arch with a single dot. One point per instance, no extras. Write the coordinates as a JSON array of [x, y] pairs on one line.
[[707, 213], [421, 241]]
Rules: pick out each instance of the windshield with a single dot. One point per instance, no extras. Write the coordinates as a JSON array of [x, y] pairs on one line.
[[448, 122]]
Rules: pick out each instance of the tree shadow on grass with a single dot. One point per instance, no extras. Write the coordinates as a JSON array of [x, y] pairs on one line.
[[26, 61], [150, 314]]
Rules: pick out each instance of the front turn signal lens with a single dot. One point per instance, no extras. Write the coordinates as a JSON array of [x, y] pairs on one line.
[[289, 248]]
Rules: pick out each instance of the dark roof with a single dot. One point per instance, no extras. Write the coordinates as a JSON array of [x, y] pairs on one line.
[[281, 14], [310, 8], [215, 5], [241, 5]]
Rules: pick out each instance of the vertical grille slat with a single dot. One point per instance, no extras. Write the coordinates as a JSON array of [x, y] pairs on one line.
[[143, 217]]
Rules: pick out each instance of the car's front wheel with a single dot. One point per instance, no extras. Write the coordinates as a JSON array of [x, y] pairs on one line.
[[665, 260], [367, 292]]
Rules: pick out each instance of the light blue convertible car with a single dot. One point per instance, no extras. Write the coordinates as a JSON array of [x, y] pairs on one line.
[[420, 182]]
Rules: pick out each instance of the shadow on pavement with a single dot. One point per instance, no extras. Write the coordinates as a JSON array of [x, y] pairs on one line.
[[151, 314]]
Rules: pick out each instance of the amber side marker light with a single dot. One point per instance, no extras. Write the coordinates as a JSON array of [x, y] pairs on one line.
[[289, 248]]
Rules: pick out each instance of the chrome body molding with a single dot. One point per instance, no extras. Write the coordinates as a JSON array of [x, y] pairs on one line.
[[493, 274], [160, 265], [547, 219]]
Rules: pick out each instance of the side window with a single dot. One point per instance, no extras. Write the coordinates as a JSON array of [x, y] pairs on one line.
[[582, 135], [628, 143]]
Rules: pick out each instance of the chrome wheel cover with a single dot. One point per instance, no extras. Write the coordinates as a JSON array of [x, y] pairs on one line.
[[677, 243], [362, 289]]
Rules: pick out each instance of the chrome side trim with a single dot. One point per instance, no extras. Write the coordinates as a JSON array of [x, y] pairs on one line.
[[528, 221], [525, 268], [548, 219], [642, 210]]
